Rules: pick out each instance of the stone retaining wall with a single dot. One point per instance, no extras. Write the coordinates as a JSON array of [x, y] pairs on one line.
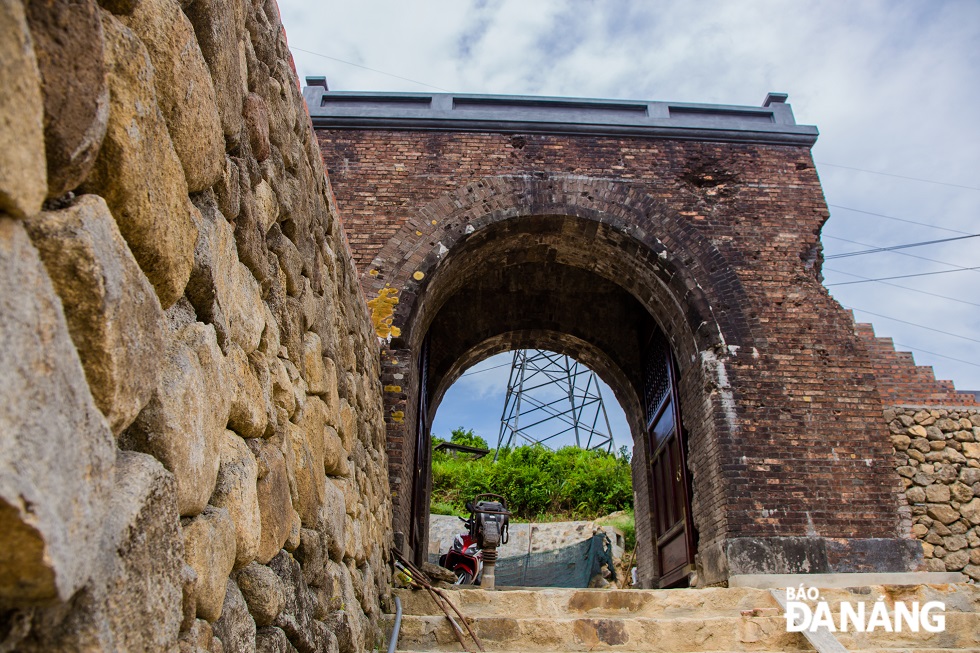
[[192, 448], [938, 458]]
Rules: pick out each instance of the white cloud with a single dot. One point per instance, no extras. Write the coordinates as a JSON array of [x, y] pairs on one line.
[[891, 85]]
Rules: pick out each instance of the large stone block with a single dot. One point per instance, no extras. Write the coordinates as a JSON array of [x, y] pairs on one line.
[[68, 44], [256, 115], [275, 505], [296, 618], [313, 368], [236, 492], [184, 423], [138, 172], [23, 172], [264, 593], [334, 454], [114, 316], [219, 30], [248, 415], [143, 593], [347, 427], [209, 548], [228, 190], [56, 449], [221, 288], [305, 443], [133, 601], [332, 522], [235, 628], [272, 640], [184, 89]]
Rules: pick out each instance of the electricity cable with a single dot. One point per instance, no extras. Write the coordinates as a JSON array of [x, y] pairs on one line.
[[889, 174], [892, 248], [891, 217], [921, 326], [932, 353], [374, 70], [485, 369], [904, 276], [895, 285], [921, 258]]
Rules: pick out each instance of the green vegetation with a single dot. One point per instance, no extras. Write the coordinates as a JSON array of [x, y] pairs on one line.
[[624, 521], [539, 484]]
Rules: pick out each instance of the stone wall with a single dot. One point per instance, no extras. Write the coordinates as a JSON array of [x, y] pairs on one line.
[[937, 456], [191, 435]]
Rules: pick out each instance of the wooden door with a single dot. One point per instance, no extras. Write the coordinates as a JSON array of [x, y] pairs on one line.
[[418, 539], [669, 486]]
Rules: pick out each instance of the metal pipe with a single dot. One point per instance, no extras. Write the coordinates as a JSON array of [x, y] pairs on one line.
[[488, 581], [393, 640]]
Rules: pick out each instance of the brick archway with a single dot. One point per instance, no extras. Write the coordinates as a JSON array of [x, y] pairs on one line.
[[714, 236], [597, 267]]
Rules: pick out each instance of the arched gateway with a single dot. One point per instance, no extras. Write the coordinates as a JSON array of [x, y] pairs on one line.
[[675, 250]]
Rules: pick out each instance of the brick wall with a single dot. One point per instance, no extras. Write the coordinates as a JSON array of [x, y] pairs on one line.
[[901, 381], [719, 243]]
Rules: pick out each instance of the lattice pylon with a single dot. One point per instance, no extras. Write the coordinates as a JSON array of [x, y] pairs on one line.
[[550, 395]]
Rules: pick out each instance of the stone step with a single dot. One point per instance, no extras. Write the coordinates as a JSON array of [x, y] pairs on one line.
[[680, 603], [565, 602], [669, 634], [705, 620]]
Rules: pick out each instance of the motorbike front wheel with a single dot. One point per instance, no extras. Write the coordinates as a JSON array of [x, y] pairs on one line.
[[463, 577]]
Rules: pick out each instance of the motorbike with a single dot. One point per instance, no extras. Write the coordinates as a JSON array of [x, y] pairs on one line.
[[464, 558], [488, 517]]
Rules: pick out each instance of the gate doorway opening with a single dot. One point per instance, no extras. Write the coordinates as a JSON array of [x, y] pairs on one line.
[[573, 286], [548, 473]]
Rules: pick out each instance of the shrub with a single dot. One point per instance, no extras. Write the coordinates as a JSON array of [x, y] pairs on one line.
[[539, 484]]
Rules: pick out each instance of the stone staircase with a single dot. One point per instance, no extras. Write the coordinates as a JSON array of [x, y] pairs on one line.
[[675, 621]]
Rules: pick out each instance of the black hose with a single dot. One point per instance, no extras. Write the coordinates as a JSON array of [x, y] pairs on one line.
[[393, 641]]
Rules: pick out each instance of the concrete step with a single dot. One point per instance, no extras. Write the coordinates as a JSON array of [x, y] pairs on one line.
[[566, 602], [618, 633], [688, 621]]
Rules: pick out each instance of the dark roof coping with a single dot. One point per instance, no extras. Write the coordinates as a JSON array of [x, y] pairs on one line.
[[772, 124]]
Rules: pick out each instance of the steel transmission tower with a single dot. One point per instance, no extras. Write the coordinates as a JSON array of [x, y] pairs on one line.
[[550, 395]]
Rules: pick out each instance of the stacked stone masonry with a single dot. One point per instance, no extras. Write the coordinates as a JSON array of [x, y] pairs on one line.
[[937, 456], [192, 445]]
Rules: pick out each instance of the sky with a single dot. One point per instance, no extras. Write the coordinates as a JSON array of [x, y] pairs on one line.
[[894, 88]]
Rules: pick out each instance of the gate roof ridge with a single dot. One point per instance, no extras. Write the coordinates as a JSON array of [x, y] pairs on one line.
[[772, 123]]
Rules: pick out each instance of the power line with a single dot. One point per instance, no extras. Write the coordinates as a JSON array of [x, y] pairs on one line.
[[891, 217], [892, 248], [485, 369], [921, 326], [889, 174], [895, 285], [932, 353], [374, 70], [921, 258], [904, 276]]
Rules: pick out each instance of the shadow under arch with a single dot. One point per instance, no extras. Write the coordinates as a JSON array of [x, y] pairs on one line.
[[550, 262]]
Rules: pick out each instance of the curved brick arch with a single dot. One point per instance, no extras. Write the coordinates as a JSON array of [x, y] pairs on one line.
[[686, 261], [450, 263]]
